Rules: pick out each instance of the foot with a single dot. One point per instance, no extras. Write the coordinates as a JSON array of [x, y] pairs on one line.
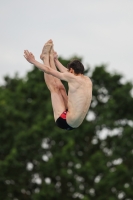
[[53, 54], [46, 49], [52, 51]]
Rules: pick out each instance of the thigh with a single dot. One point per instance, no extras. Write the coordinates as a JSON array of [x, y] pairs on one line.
[[65, 97], [57, 104], [62, 90]]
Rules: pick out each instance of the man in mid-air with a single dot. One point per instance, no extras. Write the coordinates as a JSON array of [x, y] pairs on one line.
[[69, 110]]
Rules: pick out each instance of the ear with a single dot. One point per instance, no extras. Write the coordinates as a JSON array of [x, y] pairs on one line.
[[71, 70]]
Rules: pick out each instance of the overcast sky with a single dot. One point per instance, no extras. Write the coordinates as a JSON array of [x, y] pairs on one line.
[[100, 31]]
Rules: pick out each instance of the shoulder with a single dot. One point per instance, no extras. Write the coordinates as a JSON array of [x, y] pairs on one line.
[[89, 83], [85, 81]]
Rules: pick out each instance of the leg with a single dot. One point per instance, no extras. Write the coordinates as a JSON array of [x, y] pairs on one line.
[[56, 97], [58, 82]]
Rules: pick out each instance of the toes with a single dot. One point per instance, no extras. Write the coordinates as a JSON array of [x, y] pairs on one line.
[[50, 40]]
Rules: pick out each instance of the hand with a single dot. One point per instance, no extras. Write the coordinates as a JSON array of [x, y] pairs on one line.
[[29, 56]]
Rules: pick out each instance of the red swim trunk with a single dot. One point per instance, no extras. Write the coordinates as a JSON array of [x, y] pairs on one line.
[[62, 123]]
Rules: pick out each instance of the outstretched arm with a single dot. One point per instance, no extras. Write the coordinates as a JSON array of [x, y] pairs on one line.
[[45, 68], [58, 64]]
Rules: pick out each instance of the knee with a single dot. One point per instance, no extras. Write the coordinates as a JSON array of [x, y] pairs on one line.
[[54, 88], [61, 87]]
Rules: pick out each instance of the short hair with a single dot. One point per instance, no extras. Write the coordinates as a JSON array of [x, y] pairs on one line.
[[77, 66]]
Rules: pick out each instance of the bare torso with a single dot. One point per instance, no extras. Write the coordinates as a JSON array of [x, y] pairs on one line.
[[79, 99]]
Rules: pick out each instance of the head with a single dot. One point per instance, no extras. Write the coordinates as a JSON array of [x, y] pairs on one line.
[[77, 66]]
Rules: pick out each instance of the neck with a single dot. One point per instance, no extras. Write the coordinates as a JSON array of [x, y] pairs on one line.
[[78, 74]]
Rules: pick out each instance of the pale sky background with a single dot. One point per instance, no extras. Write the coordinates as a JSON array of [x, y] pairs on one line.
[[100, 31]]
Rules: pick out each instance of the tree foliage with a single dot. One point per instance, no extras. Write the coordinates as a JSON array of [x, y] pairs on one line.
[[40, 161]]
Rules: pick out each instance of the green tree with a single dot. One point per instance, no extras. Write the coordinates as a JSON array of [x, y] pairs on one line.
[[40, 161]]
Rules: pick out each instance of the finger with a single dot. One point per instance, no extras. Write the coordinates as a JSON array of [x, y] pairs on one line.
[[26, 52]]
